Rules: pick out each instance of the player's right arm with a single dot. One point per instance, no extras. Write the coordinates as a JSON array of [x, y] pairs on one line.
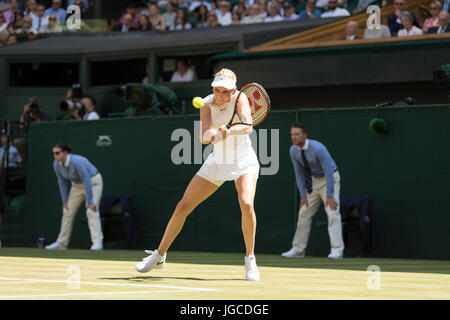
[[206, 133]]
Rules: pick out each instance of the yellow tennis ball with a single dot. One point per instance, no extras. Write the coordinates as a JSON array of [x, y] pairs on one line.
[[198, 102]]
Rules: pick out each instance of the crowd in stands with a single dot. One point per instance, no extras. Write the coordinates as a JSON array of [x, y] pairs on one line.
[[22, 20]]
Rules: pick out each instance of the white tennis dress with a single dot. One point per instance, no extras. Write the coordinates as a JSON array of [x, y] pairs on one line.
[[232, 157]]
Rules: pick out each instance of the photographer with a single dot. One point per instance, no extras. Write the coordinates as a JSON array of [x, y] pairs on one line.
[[31, 113], [89, 104], [72, 107]]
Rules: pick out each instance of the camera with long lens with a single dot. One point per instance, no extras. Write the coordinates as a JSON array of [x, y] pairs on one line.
[[74, 103]]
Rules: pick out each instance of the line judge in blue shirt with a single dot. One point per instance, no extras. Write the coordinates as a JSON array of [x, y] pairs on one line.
[[87, 186], [317, 179]]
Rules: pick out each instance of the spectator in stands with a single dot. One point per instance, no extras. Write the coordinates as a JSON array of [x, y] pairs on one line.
[[126, 25], [3, 38], [202, 16], [32, 113], [83, 9], [57, 10], [362, 6], [11, 40], [144, 23], [30, 8], [445, 5], [444, 23], [310, 12], [5, 5], [394, 21], [408, 28], [27, 23], [433, 21], [182, 3], [11, 12], [14, 158], [181, 21], [83, 4], [282, 6], [213, 21], [289, 11], [196, 3], [381, 32], [334, 10], [131, 10], [3, 24], [214, 7], [90, 104], [263, 7], [156, 18], [53, 25], [86, 187], [38, 19], [254, 15], [170, 14], [235, 19], [16, 25], [352, 30], [241, 9], [224, 16], [274, 13], [183, 73]]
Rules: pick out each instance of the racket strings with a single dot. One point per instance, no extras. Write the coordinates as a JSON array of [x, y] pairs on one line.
[[259, 103]]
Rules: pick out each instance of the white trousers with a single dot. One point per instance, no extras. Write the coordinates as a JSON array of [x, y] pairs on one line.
[[305, 215], [77, 196]]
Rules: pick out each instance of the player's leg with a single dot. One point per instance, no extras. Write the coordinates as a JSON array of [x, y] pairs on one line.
[[76, 198], [198, 190], [334, 221], [246, 188]]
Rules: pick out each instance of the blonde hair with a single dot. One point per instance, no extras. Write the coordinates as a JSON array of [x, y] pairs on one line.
[[437, 3], [226, 73]]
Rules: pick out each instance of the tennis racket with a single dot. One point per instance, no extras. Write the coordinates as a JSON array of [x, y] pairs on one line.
[[259, 103]]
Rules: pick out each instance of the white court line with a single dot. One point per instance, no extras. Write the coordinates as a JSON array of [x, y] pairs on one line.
[[86, 294], [138, 285]]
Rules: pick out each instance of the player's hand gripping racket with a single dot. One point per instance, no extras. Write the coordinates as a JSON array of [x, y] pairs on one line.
[[252, 113]]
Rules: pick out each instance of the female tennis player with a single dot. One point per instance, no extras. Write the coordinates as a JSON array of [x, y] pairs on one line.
[[233, 159]]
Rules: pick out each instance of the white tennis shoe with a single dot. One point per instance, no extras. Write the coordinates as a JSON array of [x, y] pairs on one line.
[[55, 246], [251, 270], [154, 260], [335, 255], [293, 253], [96, 246]]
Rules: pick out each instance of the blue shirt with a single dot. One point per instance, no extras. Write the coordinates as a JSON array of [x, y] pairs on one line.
[[60, 14], [14, 158], [303, 15], [319, 161], [78, 169]]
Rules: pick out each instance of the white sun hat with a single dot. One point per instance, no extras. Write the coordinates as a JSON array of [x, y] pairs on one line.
[[223, 81]]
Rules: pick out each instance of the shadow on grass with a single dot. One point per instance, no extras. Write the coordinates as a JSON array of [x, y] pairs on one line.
[[149, 278], [217, 258]]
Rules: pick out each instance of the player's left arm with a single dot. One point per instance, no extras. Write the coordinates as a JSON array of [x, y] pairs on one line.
[[245, 113]]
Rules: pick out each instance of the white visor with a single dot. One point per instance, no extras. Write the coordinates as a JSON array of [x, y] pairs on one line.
[[222, 81]]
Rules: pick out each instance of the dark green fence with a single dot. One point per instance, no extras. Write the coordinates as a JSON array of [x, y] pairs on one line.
[[406, 173]]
